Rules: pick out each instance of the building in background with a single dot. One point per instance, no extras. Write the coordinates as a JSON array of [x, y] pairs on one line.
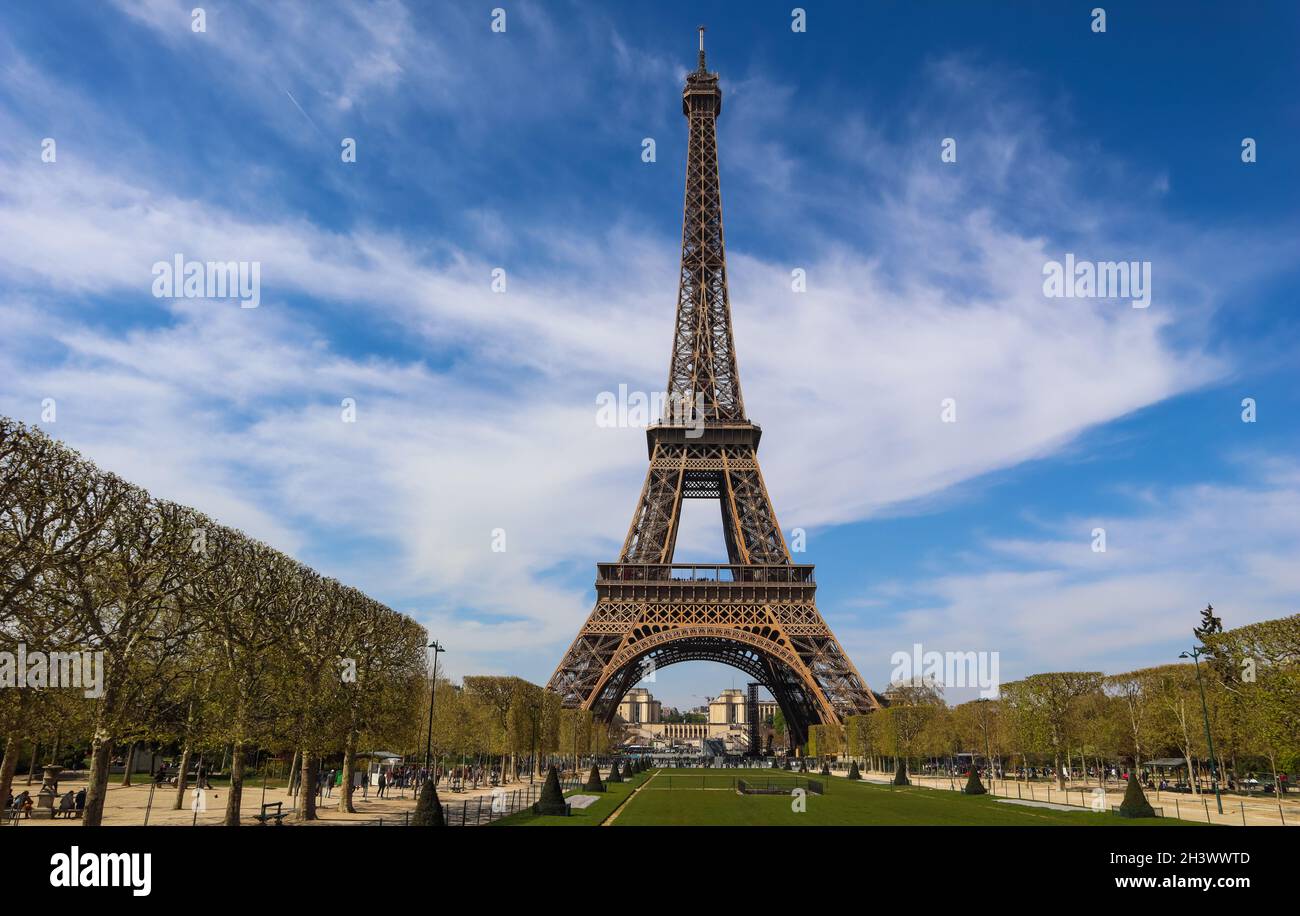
[[725, 718], [640, 708]]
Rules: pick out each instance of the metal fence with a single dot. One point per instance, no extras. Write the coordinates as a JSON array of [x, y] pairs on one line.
[[481, 810]]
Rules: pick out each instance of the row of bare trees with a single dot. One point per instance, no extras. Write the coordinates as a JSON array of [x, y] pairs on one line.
[[209, 638], [1088, 721]]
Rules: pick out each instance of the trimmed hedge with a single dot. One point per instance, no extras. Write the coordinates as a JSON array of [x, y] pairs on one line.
[[1135, 802], [552, 798], [428, 810]]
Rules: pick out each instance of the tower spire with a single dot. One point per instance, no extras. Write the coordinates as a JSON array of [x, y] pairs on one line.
[[703, 371]]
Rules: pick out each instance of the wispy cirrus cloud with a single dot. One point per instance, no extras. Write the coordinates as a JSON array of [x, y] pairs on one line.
[[1051, 602]]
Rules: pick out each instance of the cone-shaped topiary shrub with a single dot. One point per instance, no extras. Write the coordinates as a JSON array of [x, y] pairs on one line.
[[428, 810], [803, 765], [973, 784], [1135, 802], [593, 781], [614, 774], [853, 771], [900, 775], [786, 765], [826, 768], [552, 797]]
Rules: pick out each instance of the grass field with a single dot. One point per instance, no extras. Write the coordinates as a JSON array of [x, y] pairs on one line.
[[614, 794], [706, 797]]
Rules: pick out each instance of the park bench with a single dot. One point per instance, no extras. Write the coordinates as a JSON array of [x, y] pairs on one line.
[[277, 816]]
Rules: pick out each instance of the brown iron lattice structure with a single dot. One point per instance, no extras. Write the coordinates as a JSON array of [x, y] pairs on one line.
[[756, 612]]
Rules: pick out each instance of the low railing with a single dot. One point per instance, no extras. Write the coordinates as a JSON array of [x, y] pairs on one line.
[[613, 573], [482, 809]]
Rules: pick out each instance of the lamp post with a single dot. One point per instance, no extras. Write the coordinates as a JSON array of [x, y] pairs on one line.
[[1195, 656], [433, 693], [988, 747], [532, 770]]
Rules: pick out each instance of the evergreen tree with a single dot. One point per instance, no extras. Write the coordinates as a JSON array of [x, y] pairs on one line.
[[1209, 624], [853, 771], [614, 774], [593, 781], [900, 774], [1135, 802], [428, 810], [973, 784], [552, 799]]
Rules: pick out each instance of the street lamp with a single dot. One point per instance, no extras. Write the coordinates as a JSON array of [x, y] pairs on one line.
[[1195, 655], [433, 693], [988, 747]]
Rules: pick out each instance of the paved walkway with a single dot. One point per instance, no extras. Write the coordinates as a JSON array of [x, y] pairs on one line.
[[127, 805], [1080, 795]]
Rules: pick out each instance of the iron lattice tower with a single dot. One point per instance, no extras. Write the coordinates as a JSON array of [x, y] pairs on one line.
[[756, 612]]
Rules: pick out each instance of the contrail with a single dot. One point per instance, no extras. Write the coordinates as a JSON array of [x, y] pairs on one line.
[[304, 114]]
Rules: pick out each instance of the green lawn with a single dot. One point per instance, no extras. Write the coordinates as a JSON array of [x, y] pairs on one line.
[[705, 798], [581, 817]]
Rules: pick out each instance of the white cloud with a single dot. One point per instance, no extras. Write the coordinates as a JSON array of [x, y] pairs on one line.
[[1053, 604]]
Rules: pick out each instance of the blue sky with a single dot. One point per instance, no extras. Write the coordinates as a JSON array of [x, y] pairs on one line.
[[522, 151]]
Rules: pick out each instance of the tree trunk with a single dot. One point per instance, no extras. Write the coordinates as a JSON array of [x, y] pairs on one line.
[[8, 767], [345, 796], [1060, 774], [101, 750], [31, 767], [293, 776], [310, 764], [235, 798], [130, 763], [1191, 774], [181, 776]]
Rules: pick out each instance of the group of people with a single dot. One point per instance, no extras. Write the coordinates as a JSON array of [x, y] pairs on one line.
[[167, 775], [71, 804], [404, 777]]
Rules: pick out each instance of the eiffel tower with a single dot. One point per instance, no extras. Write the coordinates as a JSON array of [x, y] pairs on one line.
[[757, 611]]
